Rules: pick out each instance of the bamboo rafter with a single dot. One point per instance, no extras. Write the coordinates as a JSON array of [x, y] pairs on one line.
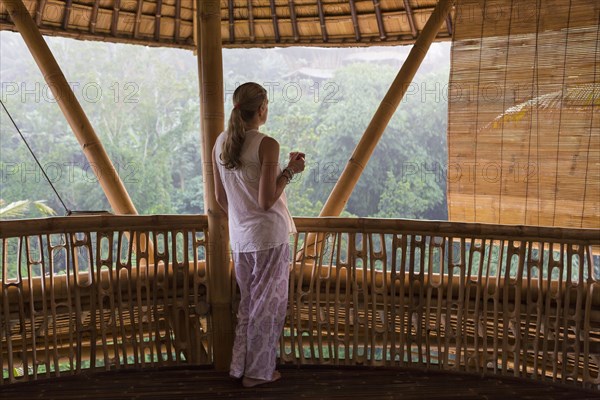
[[409, 16], [158, 17], [231, 23], [322, 20], [115, 18], [67, 14], [93, 18], [449, 24], [355, 20], [138, 19], [274, 21], [39, 11], [177, 20], [256, 23], [379, 19], [296, 34], [251, 22]]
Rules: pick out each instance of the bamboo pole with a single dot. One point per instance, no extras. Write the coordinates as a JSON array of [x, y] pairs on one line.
[[210, 70], [90, 143], [362, 153]]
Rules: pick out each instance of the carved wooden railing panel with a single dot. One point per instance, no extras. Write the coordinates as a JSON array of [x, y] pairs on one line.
[[468, 297], [77, 293]]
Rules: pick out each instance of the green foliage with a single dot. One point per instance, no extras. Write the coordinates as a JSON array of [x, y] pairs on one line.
[[416, 195], [148, 121]]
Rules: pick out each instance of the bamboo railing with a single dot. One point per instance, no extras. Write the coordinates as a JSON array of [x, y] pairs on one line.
[[486, 299], [74, 298]]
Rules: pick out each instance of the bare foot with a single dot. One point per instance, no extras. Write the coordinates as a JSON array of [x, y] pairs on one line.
[[251, 382]]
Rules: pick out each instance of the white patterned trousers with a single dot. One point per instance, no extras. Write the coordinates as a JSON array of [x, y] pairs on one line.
[[262, 277]]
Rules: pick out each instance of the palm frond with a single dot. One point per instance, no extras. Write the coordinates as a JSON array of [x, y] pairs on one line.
[[15, 209], [43, 208], [19, 209], [581, 98]]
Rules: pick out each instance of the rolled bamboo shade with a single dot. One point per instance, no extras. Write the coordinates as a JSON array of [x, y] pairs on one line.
[[524, 113]]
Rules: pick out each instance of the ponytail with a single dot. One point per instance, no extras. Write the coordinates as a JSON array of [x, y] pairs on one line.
[[247, 99], [232, 146]]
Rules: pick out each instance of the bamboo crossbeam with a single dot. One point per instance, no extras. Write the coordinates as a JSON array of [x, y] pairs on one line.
[[330, 275], [109, 179], [89, 223], [37, 288], [446, 228]]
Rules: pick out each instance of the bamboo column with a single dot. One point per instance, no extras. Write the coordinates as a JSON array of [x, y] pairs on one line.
[[210, 71], [90, 143], [362, 153]]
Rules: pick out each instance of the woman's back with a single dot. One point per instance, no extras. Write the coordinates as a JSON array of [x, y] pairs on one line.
[[251, 228]]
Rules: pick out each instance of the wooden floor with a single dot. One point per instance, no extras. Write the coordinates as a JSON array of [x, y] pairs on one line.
[[305, 383]]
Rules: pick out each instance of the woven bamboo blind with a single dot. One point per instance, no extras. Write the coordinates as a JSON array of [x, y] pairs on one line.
[[524, 113]]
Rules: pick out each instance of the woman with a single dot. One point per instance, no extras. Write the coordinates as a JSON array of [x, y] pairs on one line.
[[249, 187]]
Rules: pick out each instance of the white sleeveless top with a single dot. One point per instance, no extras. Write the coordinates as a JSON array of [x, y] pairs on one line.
[[251, 228]]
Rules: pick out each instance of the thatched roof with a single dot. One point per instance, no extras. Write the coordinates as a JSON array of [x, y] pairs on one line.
[[244, 23]]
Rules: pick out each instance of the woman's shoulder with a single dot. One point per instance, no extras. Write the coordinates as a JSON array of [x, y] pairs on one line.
[[219, 139], [264, 136], [269, 142], [269, 147]]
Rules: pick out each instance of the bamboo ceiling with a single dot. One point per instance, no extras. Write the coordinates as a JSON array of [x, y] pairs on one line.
[[524, 113], [244, 23]]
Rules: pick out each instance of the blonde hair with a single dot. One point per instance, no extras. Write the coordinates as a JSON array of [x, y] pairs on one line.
[[247, 99]]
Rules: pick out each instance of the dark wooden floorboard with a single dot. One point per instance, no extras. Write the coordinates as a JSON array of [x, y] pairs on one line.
[[305, 383]]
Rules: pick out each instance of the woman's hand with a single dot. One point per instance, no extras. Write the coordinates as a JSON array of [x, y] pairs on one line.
[[296, 163]]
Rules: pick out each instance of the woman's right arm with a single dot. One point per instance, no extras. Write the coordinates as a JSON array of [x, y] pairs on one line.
[[220, 193]]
